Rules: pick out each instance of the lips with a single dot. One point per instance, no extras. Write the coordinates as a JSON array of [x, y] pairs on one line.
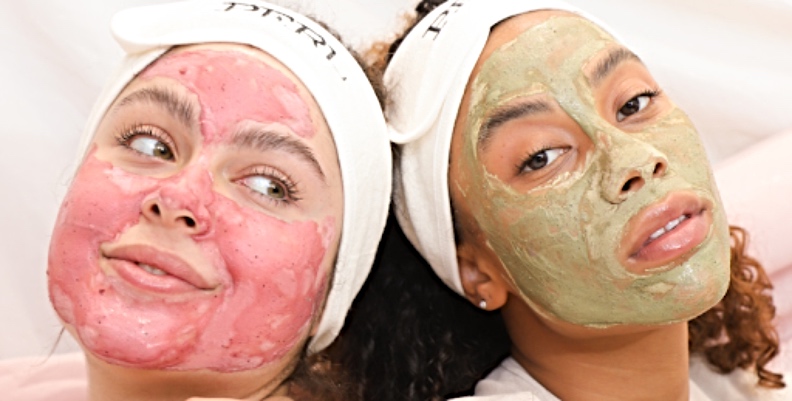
[[666, 232], [155, 270]]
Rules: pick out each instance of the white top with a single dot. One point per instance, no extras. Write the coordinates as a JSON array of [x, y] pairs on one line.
[[509, 381], [63, 378]]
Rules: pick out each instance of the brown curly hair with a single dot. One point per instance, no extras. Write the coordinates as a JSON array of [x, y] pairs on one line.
[[408, 337], [738, 332]]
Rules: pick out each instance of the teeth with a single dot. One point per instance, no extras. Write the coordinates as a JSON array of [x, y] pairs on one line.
[[152, 270], [668, 227]]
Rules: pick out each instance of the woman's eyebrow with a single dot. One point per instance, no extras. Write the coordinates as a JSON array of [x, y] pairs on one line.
[[606, 66], [507, 113], [176, 105], [265, 140]]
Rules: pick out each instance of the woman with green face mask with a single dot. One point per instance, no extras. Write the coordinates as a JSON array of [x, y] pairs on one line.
[[543, 173]]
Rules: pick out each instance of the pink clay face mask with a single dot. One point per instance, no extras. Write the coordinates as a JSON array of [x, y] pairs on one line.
[[578, 242], [187, 240]]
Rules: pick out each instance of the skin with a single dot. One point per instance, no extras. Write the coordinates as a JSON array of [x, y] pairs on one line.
[[554, 205], [246, 229], [565, 233]]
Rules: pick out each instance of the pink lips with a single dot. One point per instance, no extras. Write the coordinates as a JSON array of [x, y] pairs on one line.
[[665, 232], [155, 270]]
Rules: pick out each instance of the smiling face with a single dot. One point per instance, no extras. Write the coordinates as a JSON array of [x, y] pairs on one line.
[[575, 175], [202, 226]]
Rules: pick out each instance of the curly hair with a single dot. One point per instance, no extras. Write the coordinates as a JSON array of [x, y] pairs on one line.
[[738, 332], [319, 378], [409, 337]]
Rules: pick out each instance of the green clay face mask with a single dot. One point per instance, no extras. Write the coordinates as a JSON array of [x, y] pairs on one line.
[[629, 229]]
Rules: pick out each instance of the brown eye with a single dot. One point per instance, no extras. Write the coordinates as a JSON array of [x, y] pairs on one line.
[[151, 146], [541, 159], [634, 105]]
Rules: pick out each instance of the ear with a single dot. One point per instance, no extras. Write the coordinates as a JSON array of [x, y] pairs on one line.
[[480, 273]]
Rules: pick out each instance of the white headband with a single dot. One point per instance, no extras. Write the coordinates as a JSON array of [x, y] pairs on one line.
[[426, 80], [332, 76]]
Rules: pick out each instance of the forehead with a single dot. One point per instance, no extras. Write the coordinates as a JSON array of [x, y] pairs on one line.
[[235, 82], [576, 31], [540, 52], [241, 51]]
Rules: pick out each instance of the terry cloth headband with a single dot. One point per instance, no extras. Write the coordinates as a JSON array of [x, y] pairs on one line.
[[426, 80], [332, 76]]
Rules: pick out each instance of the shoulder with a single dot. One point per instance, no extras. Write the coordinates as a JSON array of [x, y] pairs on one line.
[[521, 396], [60, 377], [510, 381], [739, 385]]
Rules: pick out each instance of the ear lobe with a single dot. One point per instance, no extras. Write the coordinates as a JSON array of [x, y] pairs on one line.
[[480, 273]]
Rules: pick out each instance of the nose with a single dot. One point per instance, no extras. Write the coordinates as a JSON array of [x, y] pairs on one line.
[[180, 204], [159, 210], [629, 165]]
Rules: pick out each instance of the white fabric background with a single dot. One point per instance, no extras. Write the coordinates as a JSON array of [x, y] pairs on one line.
[[727, 63]]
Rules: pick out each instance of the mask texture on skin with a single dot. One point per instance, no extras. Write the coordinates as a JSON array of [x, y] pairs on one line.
[[559, 241], [267, 275]]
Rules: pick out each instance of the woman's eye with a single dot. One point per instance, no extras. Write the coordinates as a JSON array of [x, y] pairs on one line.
[[151, 146], [266, 186], [634, 105], [541, 159]]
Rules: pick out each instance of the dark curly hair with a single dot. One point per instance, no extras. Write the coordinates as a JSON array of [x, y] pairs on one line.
[[318, 378], [409, 337], [322, 376]]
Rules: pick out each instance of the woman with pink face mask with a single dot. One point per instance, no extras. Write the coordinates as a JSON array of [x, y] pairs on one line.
[[545, 177], [231, 195]]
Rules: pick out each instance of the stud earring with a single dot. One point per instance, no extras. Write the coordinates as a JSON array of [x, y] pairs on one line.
[[483, 304]]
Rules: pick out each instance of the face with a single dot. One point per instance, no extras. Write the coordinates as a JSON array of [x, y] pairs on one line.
[[582, 182], [202, 226]]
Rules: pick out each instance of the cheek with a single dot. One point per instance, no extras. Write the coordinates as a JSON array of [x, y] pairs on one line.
[[524, 225], [103, 199], [101, 203], [538, 236], [278, 275], [676, 137]]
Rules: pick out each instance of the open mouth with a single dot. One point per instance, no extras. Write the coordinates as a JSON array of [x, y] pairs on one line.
[[666, 233], [668, 227]]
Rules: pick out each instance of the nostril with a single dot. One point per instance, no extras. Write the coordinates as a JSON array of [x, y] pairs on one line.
[[632, 183], [659, 169], [189, 221]]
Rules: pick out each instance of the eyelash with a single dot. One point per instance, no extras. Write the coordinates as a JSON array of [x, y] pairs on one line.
[[520, 168], [125, 136], [650, 93], [289, 185]]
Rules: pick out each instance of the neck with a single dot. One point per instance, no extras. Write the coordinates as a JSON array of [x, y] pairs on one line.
[[575, 363], [107, 382]]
